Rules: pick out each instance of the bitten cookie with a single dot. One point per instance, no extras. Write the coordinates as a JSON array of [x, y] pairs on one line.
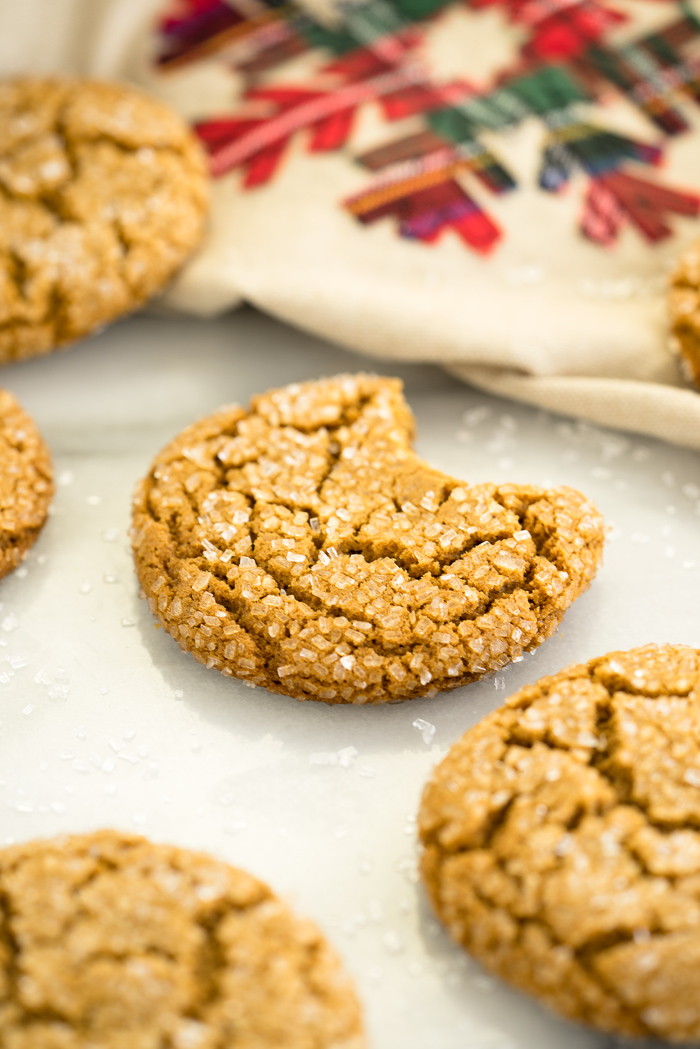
[[103, 192], [684, 311], [108, 940], [562, 842], [302, 545], [26, 483]]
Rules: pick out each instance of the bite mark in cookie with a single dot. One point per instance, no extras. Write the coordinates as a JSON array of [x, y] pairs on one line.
[[562, 842], [303, 546]]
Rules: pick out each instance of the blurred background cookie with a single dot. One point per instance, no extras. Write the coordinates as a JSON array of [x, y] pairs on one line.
[[303, 546], [103, 194], [107, 939], [684, 308], [562, 846], [26, 484]]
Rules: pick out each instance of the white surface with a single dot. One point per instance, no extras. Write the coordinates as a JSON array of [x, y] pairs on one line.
[[105, 722]]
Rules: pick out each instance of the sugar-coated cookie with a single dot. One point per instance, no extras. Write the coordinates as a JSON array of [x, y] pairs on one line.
[[303, 546], [103, 193], [26, 484], [112, 942], [562, 842], [684, 311]]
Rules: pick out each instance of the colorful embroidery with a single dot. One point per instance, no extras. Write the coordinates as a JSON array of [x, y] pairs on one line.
[[565, 61]]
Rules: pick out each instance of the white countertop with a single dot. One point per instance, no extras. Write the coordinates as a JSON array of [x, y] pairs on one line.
[[105, 722]]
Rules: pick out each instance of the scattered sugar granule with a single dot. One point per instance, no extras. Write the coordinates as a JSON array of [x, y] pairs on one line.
[[426, 729]]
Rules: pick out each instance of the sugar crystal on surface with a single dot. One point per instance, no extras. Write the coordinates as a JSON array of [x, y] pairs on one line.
[[426, 729]]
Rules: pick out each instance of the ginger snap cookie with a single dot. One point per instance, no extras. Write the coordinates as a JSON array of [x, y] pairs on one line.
[[26, 484], [103, 193], [108, 940], [684, 311], [303, 546], [562, 842]]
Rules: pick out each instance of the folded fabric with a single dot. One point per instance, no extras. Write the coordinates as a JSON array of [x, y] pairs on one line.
[[500, 186]]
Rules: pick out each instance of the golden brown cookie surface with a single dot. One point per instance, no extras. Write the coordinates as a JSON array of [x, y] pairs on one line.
[[25, 483], [302, 545], [103, 192], [562, 841], [110, 941], [684, 311]]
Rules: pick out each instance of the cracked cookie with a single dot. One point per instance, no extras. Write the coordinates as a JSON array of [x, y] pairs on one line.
[[103, 193], [684, 312], [110, 941], [562, 842], [26, 484], [301, 545]]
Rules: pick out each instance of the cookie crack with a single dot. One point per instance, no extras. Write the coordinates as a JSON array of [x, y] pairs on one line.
[[314, 604], [18, 270], [584, 955], [212, 960], [541, 543], [620, 777], [11, 946]]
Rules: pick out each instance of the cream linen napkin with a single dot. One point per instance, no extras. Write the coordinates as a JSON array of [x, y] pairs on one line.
[[547, 315]]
